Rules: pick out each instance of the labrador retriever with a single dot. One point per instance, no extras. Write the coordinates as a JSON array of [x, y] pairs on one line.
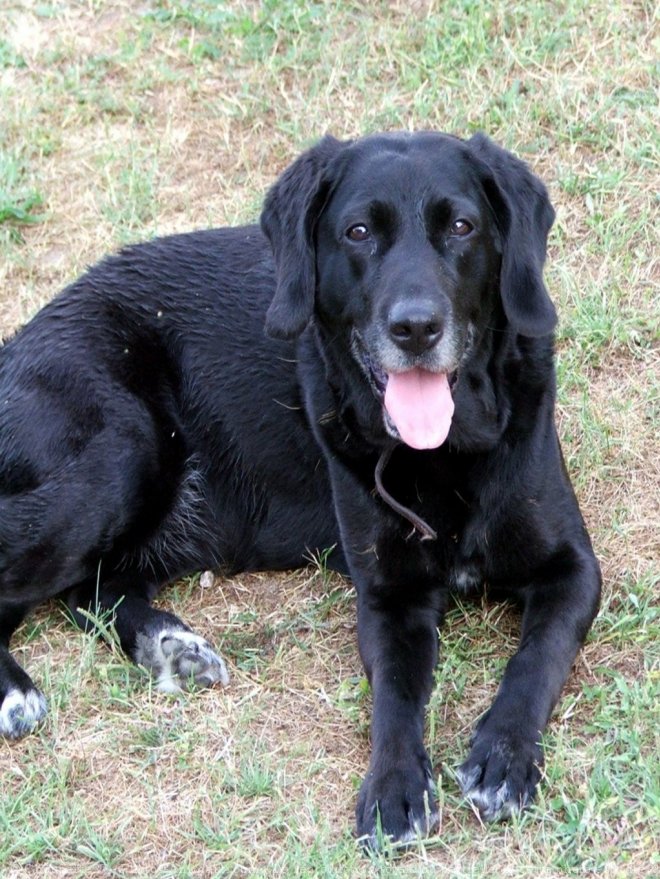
[[400, 409]]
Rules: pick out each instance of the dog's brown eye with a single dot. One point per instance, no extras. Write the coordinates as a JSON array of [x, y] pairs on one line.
[[461, 228], [358, 233]]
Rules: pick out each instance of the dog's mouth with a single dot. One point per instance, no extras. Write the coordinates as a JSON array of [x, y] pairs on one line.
[[417, 403]]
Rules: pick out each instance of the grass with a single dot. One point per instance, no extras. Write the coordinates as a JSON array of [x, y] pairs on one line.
[[119, 122]]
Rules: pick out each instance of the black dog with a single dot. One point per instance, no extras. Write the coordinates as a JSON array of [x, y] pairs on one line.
[[149, 429]]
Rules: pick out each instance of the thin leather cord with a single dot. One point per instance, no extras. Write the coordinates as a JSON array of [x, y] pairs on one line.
[[426, 532]]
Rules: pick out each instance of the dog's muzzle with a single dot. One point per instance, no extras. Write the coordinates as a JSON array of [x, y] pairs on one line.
[[416, 396]]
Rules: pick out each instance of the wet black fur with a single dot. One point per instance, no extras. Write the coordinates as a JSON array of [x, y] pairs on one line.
[[149, 428]]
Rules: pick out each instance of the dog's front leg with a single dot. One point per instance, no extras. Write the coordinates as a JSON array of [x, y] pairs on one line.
[[400, 606], [398, 643], [502, 770]]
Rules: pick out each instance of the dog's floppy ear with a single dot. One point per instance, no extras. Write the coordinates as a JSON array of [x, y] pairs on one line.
[[524, 214], [290, 212]]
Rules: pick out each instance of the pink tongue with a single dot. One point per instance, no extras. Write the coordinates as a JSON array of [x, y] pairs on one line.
[[420, 405]]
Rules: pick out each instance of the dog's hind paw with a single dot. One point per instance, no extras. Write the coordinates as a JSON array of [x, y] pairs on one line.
[[180, 660], [21, 711]]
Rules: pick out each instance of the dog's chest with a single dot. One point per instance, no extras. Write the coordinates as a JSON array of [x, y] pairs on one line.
[[466, 577], [464, 555]]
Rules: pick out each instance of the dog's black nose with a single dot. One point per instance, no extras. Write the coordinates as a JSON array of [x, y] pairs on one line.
[[415, 326]]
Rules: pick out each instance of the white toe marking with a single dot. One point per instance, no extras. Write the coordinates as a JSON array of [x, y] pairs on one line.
[[177, 657], [420, 829], [468, 780], [494, 804], [20, 712]]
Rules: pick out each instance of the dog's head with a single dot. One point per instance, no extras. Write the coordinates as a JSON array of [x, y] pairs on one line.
[[405, 244]]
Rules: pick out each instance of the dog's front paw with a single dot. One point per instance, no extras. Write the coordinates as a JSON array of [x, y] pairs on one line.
[[396, 805], [21, 711], [180, 660], [501, 773]]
